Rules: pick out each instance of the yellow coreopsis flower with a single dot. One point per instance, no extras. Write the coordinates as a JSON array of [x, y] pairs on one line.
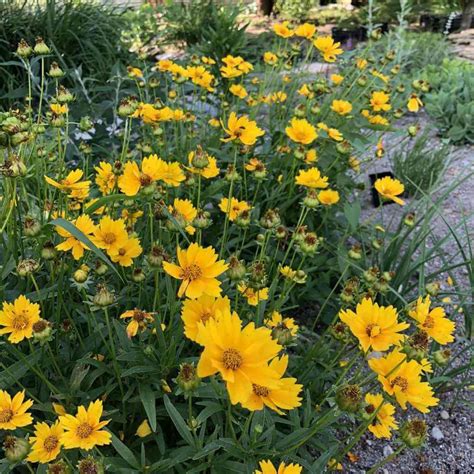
[[185, 209], [238, 90], [13, 411], [434, 322], [301, 131], [164, 65], [234, 208], [143, 429], [311, 156], [361, 63], [328, 48], [284, 397], [390, 188], [277, 321], [270, 58], [84, 431], [59, 109], [172, 175], [379, 101], [281, 29], [201, 310], [105, 178], [384, 420], [72, 184], [402, 379], [253, 296], [135, 72], [306, 30], [242, 129], [18, 318], [341, 107], [375, 326], [241, 356], [336, 78], [46, 442], [139, 321], [83, 223], [209, 171], [414, 103], [198, 269], [328, 197], [311, 178], [135, 178], [200, 76], [126, 252], [150, 114], [110, 235], [267, 467], [305, 91]]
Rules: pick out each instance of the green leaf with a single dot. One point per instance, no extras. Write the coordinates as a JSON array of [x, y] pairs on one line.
[[352, 213], [178, 422], [14, 372], [124, 452], [147, 396], [106, 200]]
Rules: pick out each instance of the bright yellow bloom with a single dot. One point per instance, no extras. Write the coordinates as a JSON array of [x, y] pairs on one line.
[[381, 76], [375, 326], [46, 442], [201, 310], [305, 91], [105, 177], [390, 188], [110, 235], [328, 48], [384, 420], [253, 296], [402, 379], [135, 72], [150, 114], [164, 65], [335, 134], [13, 411], [238, 90], [213, 122], [301, 131], [131, 217], [270, 58], [284, 397], [276, 321], [126, 252], [234, 208], [211, 170], [414, 103], [59, 109], [243, 129], [185, 209], [255, 164], [434, 322], [336, 78], [268, 468], [72, 184], [311, 178], [379, 101], [139, 321], [134, 179], [361, 63], [144, 429], [198, 269], [200, 76], [173, 175], [281, 29], [18, 318], [241, 356], [341, 107], [207, 60], [306, 30], [84, 431], [278, 97], [328, 197], [311, 156], [288, 272], [58, 409], [84, 224]]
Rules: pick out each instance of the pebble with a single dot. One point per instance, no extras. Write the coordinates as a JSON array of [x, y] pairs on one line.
[[387, 451], [444, 415], [437, 434]]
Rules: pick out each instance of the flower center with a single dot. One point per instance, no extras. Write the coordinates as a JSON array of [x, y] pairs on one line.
[[6, 415], [122, 252], [109, 238], [232, 359], [429, 322], [84, 430], [139, 316], [191, 272], [145, 180], [260, 391], [20, 322], [372, 330], [51, 443], [402, 382], [205, 316]]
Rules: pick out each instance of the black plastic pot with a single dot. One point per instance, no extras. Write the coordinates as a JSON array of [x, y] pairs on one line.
[[375, 195]]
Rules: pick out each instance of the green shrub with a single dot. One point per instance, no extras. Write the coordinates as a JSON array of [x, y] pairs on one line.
[[295, 9]]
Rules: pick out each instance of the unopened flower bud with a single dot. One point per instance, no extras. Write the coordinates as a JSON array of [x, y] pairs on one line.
[[344, 147], [127, 106], [100, 268], [81, 274], [42, 331], [409, 219], [26, 267], [232, 174], [59, 467], [442, 356], [138, 275], [89, 465], [48, 252], [64, 96], [413, 432], [243, 219], [187, 379], [156, 256], [24, 49], [300, 277], [349, 398], [31, 227], [236, 270], [413, 130], [202, 219], [433, 288], [199, 159], [300, 111], [40, 47], [311, 199], [85, 123], [355, 252], [309, 244], [55, 71], [270, 219], [104, 297]]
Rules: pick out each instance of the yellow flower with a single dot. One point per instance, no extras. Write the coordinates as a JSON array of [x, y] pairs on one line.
[[402, 379], [84, 431], [243, 129], [135, 72], [207, 60], [341, 107], [110, 235], [390, 188], [328, 197], [59, 409], [13, 411], [126, 252], [46, 442], [288, 272], [241, 356], [139, 320], [311, 178], [268, 468], [384, 420], [379, 101], [134, 179], [305, 91], [375, 326], [144, 429], [301, 131], [281, 29], [277, 321], [234, 208], [72, 184], [238, 90], [164, 65], [173, 175], [255, 164], [434, 322], [381, 76], [149, 114], [311, 156], [200, 76], [185, 209], [306, 30], [328, 48], [283, 397], [198, 269], [84, 224], [211, 170], [270, 58], [278, 97], [414, 103], [213, 122], [253, 296], [59, 109], [105, 177], [18, 318], [335, 134], [361, 63], [380, 151], [201, 310], [336, 78], [131, 217]]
